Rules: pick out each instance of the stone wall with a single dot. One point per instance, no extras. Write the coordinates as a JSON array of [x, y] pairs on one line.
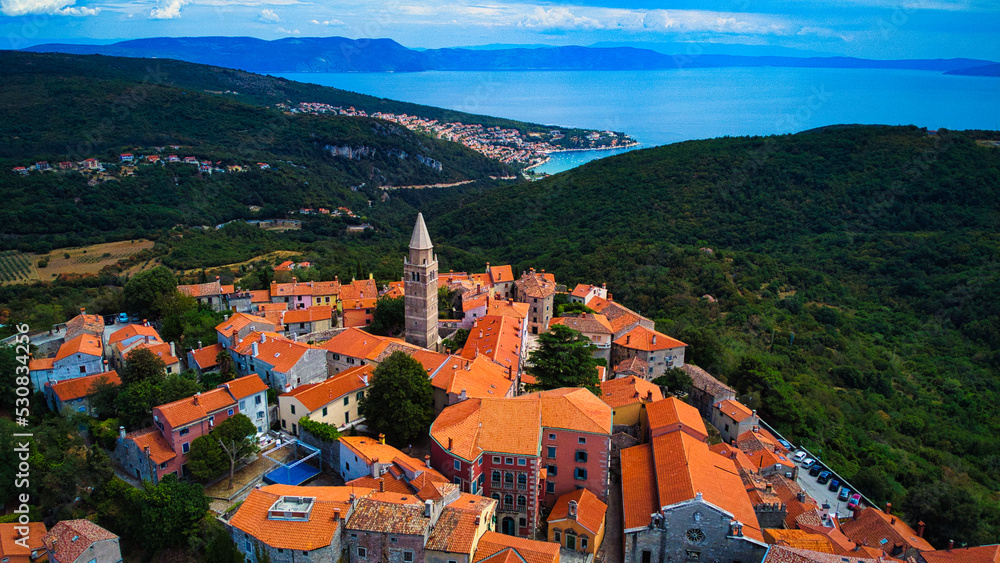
[[329, 451]]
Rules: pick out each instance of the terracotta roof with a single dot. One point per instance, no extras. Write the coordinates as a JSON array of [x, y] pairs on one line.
[[41, 364], [131, 331], [315, 396], [379, 513], [394, 292], [205, 357], [314, 533], [359, 289], [981, 554], [159, 349], [500, 273], [590, 510], [260, 296], [370, 449], [479, 378], [536, 285], [79, 387], [312, 314], [875, 528], [239, 321], [91, 324], [629, 390], [667, 414], [68, 539], [470, 302], [10, 549], [210, 289], [159, 450], [265, 308], [291, 289], [704, 381], [530, 551], [641, 338], [275, 350], [515, 425], [621, 318], [588, 323], [87, 344], [735, 454], [326, 287], [354, 342], [243, 387], [581, 290], [736, 410], [783, 554], [455, 531], [501, 308], [198, 407], [639, 497], [496, 337]]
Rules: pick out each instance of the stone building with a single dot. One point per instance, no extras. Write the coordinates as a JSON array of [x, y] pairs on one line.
[[537, 290], [420, 271], [659, 351]]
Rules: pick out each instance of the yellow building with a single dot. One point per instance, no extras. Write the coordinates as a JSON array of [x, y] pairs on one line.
[[628, 396], [333, 401], [576, 522]]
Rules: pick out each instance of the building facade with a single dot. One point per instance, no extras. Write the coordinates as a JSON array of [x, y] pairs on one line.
[[420, 270]]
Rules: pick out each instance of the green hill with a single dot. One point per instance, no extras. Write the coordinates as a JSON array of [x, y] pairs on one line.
[[851, 292]]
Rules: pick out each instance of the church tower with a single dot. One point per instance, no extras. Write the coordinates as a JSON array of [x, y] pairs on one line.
[[420, 289]]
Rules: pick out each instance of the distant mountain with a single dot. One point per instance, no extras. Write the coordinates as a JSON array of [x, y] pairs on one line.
[[985, 70], [339, 54]]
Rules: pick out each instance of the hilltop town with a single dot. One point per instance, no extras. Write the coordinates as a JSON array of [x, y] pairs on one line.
[[633, 469]]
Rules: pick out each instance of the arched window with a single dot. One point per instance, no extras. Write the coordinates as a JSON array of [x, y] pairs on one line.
[[522, 501], [496, 496], [508, 501], [496, 476], [522, 479], [508, 478]]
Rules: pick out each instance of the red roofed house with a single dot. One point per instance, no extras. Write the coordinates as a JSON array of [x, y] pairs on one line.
[[780, 553], [282, 363], [501, 278], [576, 522], [74, 394], [166, 352], [460, 378], [81, 541], [305, 321], [84, 324], [80, 356], [596, 328], [203, 359], [241, 324], [538, 290], [333, 401], [526, 451], [123, 339], [502, 548], [981, 554], [21, 544], [672, 415], [629, 397], [210, 294], [706, 391], [162, 449], [658, 350], [499, 338], [731, 418], [683, 502], [872, 527], [584, 293]]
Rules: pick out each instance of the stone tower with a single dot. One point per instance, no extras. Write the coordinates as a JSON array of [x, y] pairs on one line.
[[420, 288]]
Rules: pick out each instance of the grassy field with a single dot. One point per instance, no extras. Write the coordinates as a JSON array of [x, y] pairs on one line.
[[270, 256], [85, 259]]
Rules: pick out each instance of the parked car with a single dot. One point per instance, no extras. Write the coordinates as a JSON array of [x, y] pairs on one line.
[[123, 318], [854, 502], [134, 318], [816, 470], [834, 485], [798, 457], [845, 493], [809, 462], [109, 320], [823, 477], [785, 444]]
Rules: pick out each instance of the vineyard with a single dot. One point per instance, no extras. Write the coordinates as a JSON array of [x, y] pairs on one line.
[[14, 266]]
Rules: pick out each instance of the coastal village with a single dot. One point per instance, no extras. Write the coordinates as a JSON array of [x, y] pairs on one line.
[[627, 473]]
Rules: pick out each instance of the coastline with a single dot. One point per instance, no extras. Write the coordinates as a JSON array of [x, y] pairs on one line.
[[625, 146]]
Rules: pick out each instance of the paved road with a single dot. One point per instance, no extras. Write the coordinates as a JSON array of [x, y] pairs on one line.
[[821, 492]]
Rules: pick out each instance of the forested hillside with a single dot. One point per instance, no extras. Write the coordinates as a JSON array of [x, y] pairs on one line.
[[845, 281]]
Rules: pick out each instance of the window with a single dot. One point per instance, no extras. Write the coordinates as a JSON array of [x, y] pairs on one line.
[[496, 459], [508, 478], [521, 501], [522, 461], [243, 405], [324, 411], [495, 477], [508, 500], [581, 456], [257, 400], [163, 465], [508, 461], [523, 522], [362, 552], [695, 535], [580, 473], [293, 408], [231, 412], [347, 418], [522, 479], [407, 556], [336, 357], [283, 424], [552, 470], [557, 535], [184, 431], [727, 428], [552, 436], [581, 440], [551, 452], [583, 542], [392, 540], [693, 555], [347, 400], [550, 487], [354, 536], [83, 369], [458, 465], [185, 447], [457, 481], [359, 396]]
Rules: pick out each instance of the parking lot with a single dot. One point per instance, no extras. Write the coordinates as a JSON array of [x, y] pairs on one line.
[[821, 493]]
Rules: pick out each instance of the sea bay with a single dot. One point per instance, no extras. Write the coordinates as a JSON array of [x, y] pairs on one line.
[[666, 106]]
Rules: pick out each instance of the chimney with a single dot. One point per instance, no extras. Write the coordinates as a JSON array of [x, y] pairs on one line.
[[801, 496], [888, 508], [462, 396], [951, 544], [628, 337], [920, 528], [199, 345], [428, 504], [572, 509], [451, 443], [255, 349], [381, 485], [427, 460], [654, 339], [83, 310], [147, 339], [196, 397], [649, 396], [145, 322], [381, 439], [336, 514], [121, 432], [217, 278], [263, 338], [105, 365], [173, 350]]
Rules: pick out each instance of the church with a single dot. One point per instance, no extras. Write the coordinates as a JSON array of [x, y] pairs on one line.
[[420, 270]]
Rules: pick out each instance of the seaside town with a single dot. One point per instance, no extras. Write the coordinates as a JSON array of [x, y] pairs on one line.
[[128, 163], [511, 468], [509, 146]]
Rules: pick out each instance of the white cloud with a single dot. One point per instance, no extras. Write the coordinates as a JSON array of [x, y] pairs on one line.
[[327, 22], [560, 18], [269, 16], [53, 7], [168, 9], [288, 31]]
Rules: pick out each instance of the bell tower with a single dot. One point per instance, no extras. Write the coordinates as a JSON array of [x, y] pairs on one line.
[[420, 288]]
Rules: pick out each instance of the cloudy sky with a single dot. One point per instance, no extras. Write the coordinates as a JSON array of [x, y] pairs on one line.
[[863, 28]]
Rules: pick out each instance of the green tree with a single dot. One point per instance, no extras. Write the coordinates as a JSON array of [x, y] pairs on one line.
[[135, 402], [219, 545], [206, 459], [170, 512], [563, 359], [102, 401], [8, 367], [389, 316], [143, 365], [178, 386], [145, 289], [675, 379], [227, 367], [237, 437], [400, 402]]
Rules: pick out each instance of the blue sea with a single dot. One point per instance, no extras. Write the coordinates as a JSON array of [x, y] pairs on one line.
[[667, 106]]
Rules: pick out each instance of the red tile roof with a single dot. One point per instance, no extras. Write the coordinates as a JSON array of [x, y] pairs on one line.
[[499, 307], [317, 532], [359, 289], [243, 387], [667, 414], [9, 548], [192, 409], [641, 338], [133, 330], [496, 337], [260, 296], [210, 289], [79, 387], [479, 378], [273, 349], [493, 544], [159, 349], [91, 324], [500, 273], [589, 323], [68, 539], [590, 510], [875, 528], [310, 315], [736, 410], [391, 514], [536, 285], [784, 554], [159, 450], [981, 554], [315, 396], [239, 321], [205, 357], [629, 390], [621, 318], [41, 364], [87, 344]]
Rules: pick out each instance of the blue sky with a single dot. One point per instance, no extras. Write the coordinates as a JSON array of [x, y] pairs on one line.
[[862, 28]]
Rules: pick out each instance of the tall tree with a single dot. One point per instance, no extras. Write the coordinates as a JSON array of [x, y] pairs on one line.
[[563, 359], [389, 316], [400, 402], [143, 365], [237, 437], [145, 288]]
